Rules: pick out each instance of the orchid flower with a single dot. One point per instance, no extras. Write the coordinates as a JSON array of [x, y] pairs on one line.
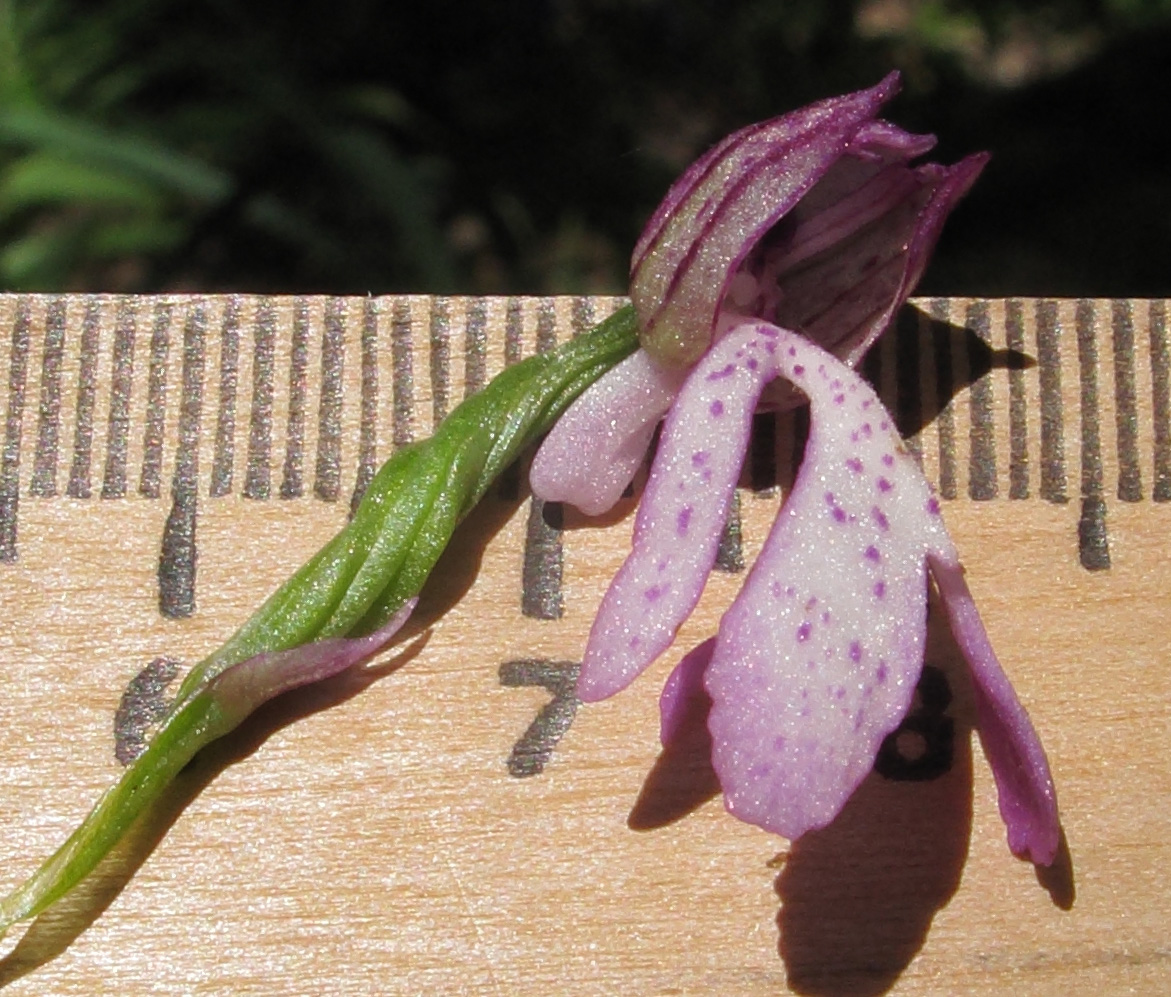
[[771, 266]]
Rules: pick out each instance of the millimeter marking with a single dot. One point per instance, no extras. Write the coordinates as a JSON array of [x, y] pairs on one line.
[[259, 373]]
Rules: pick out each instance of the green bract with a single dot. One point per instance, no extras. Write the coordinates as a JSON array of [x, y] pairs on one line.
[[358, 585]]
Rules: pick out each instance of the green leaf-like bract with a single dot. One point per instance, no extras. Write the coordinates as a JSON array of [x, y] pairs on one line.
[[352, 586]]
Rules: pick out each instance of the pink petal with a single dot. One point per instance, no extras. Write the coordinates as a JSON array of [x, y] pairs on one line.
[[818, 657], [1028, 801], [721, 207], [844, 300], [597, 446], [750, 139], [683, 511], [888, 142], [683, 690]]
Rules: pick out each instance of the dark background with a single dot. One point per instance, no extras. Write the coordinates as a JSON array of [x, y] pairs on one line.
[[518, 145]]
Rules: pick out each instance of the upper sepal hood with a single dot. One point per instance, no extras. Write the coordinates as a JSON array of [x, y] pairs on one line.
[[813, 220]]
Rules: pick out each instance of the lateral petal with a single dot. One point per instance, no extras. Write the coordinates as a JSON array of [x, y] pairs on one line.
[[1024, 784], [683, 510], [595, 449]]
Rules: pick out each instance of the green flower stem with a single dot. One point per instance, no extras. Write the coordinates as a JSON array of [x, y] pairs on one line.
[[351, 587]]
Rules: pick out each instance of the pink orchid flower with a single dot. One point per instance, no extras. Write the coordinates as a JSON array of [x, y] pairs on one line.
[[771, 266]]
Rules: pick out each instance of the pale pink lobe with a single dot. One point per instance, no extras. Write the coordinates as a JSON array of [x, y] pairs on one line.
[[818, 657], [244, 686], [683, 511], [682, 690], [597, 446], [1024, 784]]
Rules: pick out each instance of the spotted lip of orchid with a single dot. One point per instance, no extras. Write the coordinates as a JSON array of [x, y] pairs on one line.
[[771, 266]]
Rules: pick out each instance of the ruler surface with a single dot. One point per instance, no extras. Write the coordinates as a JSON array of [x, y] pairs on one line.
[[450, 820]]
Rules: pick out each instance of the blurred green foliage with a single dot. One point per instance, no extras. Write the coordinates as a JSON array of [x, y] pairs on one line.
[[359, 146]]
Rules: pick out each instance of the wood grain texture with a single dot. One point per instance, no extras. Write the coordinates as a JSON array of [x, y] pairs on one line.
[[368, 837]]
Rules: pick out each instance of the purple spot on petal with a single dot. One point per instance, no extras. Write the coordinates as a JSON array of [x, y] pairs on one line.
[[793, 353], [752, 363], [790, 591], [880, 589], [661, 566], [634, 642], [707, 475], [654, 593], [810, 603], [837, 384], [881, 674], [933, 506], [838, 399], [770, 347], [888, 459], [699, 458], [804, 631], [775, 589], [683, 519], [778, 743], [855, 651], [884, 485], [798, 370], [884, 425], [866, 430], [880, 518], [829, 498], [855, 465], [872, 554], [825, 617], [719, 375], [840, 692], [717, 408], [867, 403], [839, 514]]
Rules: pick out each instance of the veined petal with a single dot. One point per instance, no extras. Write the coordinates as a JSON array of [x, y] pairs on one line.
[[817, 659], [888, 142], [1028, 801], [846, 297], [683, 511], [595, 449], [720, 208]]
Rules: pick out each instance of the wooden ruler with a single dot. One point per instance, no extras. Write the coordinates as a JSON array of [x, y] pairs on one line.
[[462, 826]]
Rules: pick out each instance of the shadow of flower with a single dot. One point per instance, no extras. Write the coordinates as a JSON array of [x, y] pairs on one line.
[[858, 897]]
